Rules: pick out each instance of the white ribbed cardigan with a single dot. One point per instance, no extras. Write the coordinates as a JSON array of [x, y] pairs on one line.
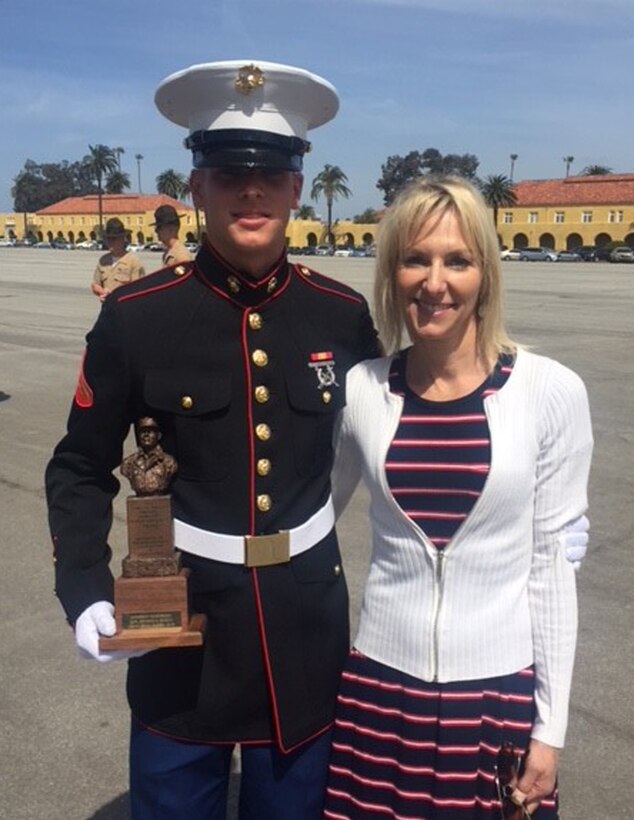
[[502, 594]]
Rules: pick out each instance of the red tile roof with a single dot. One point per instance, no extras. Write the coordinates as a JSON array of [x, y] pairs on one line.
[[612, 189], [113, 204]]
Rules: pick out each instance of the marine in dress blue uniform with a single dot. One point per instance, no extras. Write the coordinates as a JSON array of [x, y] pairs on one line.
[[244, 371]]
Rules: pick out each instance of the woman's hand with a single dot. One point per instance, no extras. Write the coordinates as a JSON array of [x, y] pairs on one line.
[[539, 777]]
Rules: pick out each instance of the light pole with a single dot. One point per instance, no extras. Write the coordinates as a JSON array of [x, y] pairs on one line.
[[138, 158], [568, 161], [513, 158]]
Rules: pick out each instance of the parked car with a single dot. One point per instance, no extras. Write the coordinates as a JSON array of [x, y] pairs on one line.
[[192, 247], [7, 243], [603, 254], [42, 245], [538, 255], [324, 250], [586, 252], [133, 248], [568, 256], [308, 250], [88, 245], [622, 254], [156, 247], [344, 252], [510, 254]]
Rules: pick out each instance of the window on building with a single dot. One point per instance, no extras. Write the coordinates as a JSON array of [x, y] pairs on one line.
[[586, 216], [128, 220], [61, 220], [508, 218], [559, 217], [532, 217], [615, 216], [139, 220], [81, 220]]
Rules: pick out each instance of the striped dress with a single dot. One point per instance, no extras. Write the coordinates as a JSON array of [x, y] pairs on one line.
[[404, 748]]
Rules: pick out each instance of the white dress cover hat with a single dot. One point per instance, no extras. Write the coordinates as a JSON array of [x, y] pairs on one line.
[[247, 113]]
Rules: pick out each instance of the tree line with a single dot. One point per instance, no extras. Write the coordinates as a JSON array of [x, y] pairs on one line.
[[38, 185]]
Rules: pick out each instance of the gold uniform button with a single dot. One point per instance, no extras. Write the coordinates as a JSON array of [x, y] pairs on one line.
[[337, 569], [179, 270], [262, 394], [271, 285], [234, 284], [264, 503], [305, 271], [263, 466], [263, 432], [326, 397], [187, 402], [255, 321], [260, 359]]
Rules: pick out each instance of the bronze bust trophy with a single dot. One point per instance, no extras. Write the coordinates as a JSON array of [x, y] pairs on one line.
[[151, 599]]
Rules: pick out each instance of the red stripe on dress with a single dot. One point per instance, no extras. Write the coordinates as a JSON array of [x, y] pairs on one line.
[[455, 723], [430, 466], [417, 770], [425, 419], [438, 442]]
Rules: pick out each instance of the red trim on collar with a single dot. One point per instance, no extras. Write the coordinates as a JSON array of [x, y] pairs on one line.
[[253, 284]]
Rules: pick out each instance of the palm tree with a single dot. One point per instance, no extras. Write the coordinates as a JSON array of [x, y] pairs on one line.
[[568, 161], [305, 212], [596, 171], [118, 152], [117, 182], [173, 184], [331, 182], [497, 190], [101, 161]]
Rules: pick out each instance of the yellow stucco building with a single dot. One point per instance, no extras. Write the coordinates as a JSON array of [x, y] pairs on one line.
[[566, 213], [77, 218]]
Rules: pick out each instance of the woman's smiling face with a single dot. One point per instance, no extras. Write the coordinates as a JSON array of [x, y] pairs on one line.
[[438, 283]]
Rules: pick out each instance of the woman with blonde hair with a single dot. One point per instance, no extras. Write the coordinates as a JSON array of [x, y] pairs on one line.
[[476, 453]]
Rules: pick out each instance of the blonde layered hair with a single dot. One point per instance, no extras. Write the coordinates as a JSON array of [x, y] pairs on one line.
[[429, 198]]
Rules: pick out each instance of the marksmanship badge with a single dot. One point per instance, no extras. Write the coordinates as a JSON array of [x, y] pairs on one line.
[[324, 366]]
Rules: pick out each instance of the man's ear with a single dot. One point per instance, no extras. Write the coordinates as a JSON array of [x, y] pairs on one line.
[[298, 184]]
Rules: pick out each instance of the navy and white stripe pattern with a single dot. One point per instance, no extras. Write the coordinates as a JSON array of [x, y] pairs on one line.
[[439, 458], [409, 750], [404, 748]]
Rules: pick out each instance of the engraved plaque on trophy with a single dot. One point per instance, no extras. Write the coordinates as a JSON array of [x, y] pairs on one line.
[[151, 600]]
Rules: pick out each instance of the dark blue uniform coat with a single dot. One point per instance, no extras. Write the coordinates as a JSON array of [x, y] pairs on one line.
[[185, 346]]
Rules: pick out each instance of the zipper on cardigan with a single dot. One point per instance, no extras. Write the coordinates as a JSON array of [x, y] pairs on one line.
[[437, 601]]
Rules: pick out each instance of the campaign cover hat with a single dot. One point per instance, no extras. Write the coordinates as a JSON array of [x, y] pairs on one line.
[[247, 113], [114, 227], [165, 215]]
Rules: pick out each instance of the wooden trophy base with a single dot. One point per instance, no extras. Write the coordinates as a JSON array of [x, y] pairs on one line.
[[153, 613]]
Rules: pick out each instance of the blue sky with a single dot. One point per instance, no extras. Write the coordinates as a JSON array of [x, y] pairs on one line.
[[539, 78]]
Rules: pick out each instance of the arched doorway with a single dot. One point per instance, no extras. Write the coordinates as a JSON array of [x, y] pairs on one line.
[[547, 240], [602, 239], [629, 240], [573, 240], [520, 240]]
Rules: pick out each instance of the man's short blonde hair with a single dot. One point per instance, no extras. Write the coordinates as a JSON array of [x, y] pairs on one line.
[[424, 199]]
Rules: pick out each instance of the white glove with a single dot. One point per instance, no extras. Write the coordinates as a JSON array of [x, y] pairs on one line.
[[98, 620], [576, 540]]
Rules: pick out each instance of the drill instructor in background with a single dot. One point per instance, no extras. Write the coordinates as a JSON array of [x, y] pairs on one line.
[[118, 266], [167, 225]]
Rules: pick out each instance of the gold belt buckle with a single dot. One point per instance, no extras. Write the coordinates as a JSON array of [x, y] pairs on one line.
[[267, 550]]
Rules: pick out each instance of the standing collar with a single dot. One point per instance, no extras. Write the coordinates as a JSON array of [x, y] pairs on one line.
[[238, 286]]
